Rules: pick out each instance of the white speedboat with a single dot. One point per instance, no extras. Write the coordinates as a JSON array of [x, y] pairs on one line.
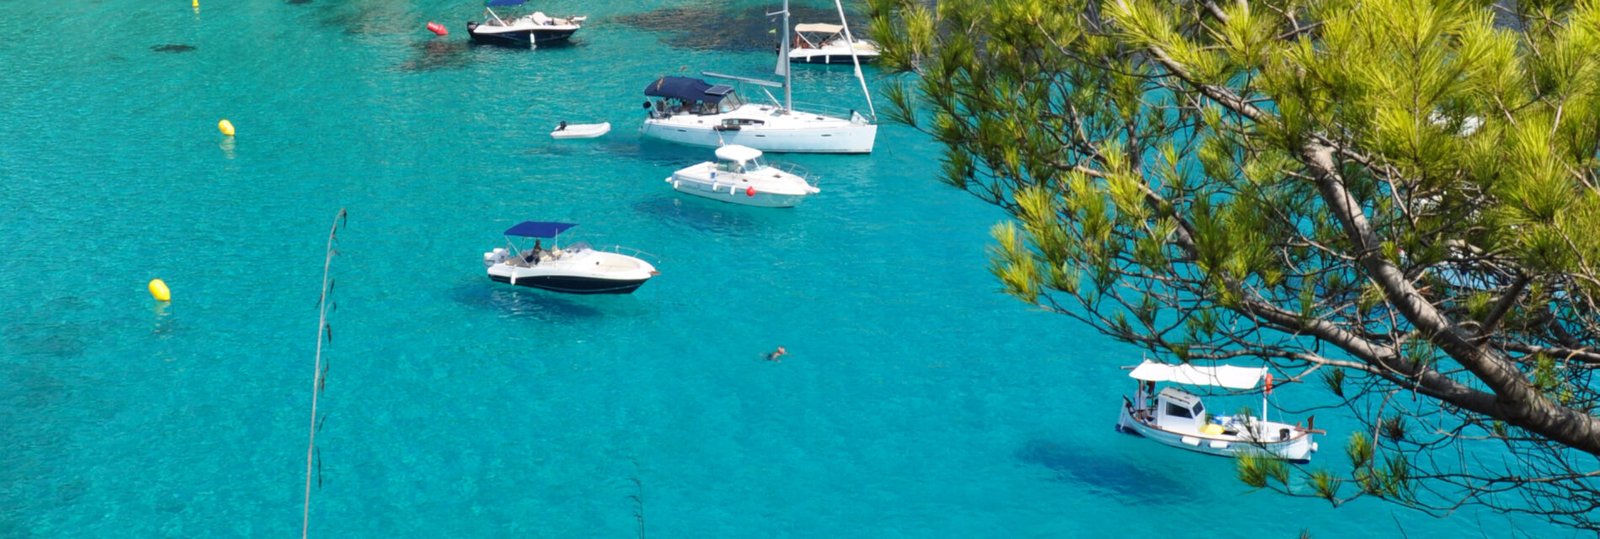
[[1177, 418], [741, 176], [525, 31], [576, 269], [694, 112], [827, 44]]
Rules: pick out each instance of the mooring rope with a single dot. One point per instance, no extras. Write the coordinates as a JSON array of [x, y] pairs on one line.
[[317, 374]]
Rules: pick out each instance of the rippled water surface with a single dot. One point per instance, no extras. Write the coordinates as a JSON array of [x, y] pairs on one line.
[[915, 401]]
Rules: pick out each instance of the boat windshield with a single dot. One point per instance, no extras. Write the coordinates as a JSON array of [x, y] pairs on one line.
[[729, 102], [741, 167]]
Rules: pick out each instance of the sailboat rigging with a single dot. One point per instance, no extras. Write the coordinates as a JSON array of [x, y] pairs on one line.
[[692, 111]]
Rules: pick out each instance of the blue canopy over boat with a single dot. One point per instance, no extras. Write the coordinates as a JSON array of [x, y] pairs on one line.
[[502, 3], [687, 89], [538, 229]]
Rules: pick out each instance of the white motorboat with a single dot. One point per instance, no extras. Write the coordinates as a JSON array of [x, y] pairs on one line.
[[694, 112], [526, 31], [1177, 418], [741, 176], [826, 44], [566, 130], [576, 269]]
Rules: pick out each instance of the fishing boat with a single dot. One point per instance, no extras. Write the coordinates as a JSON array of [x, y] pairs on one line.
[[741, 176], [821, 43], [524, 31], [1178, 418], [576, 269], [692, 111]]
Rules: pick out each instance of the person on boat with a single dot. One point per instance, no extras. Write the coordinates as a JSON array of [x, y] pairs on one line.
[[533, 256], [562, 126]]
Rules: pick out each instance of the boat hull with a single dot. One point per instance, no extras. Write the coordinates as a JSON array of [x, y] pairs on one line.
[[574, 285], [1297, 447], [846, 138], [518, 38], [831, 59], [734, 194]]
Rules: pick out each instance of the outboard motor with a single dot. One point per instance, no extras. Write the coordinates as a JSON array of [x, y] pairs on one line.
[[496, 256]]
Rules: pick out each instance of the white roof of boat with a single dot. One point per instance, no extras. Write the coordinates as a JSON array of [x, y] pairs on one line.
[[819, 27], [735, 152], [1221, 376]]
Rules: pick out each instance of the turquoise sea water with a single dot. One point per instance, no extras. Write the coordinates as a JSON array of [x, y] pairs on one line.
[[915, 401]]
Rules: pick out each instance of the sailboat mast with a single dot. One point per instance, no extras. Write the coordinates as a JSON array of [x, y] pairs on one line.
[[788, 97], [850, 44]]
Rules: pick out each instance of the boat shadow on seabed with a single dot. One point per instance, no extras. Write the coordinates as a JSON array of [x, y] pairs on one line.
[[512, 302], [1102, 471]]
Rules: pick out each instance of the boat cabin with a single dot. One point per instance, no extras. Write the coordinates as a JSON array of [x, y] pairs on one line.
[[736, 159], [685, 95], [1178, 410]]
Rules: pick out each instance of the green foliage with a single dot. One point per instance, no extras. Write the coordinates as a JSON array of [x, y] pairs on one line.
[[1359, 449], [1401, 187], [1334, 379], [1326, 485]]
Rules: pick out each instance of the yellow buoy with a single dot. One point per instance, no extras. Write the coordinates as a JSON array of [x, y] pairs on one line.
[[226, 127], [159, 290]]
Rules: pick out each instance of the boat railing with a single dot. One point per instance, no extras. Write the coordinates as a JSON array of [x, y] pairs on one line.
[[835, 111], [795, 169], [618, 249], [629, 251]]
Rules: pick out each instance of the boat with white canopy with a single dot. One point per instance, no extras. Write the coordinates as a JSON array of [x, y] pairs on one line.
[[524, 31], [695, 112], [1177, 418], [741, 176], [822, 43], [576, 269]]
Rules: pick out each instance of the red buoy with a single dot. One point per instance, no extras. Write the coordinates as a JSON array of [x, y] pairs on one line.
[[750, 191], [437, 28]]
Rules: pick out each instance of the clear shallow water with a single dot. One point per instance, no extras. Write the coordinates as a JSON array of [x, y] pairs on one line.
[[915, 401]]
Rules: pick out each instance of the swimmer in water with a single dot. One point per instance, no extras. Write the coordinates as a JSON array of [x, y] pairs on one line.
[[775, 354]]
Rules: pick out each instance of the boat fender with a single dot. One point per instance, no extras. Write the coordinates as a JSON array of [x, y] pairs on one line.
[[437, 29], [158, 290], [750, 191], [226, 127]]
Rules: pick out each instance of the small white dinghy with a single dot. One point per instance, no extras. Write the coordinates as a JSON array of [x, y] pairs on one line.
[[566, 130]]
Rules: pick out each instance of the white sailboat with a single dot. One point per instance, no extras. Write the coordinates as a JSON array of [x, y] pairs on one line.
[[692, 111]]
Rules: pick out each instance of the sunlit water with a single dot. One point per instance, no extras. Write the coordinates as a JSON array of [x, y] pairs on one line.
[[915, 401]]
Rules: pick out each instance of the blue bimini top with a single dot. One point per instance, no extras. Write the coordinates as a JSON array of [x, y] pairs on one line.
[[538, 229], [687, 89]]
